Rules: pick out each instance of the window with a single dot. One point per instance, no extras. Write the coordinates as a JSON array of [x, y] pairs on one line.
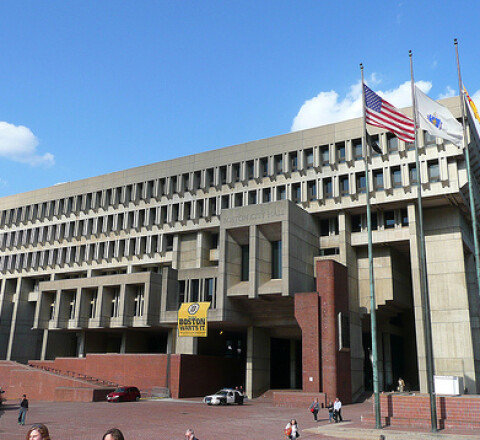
[[250, 169], [209, 291], [195, 291], [329, 251], [139, 301], [252, 197], [325, 155], [327, 188], [404, 214], [235, 172], [413, 174], [52, 310], [312, 190], [209, 178], [329, 226], [296, 193], [396, 177], [277, 259], [340, 149], [293, 161], [281, 193], [344, 186], [115, 310], [264, 166], [430, 139], [378, 180], [389, 219], [181, 291], [93, 306], [374, 220], [267, 195], [356, 223], [169, 243], [309, 158], [245, 262], [238, 200], [278, 161], [71, 310], [357, 149], [410, 146], [433, 172], [223, 176], [392, 143], [361, 183], [225, 202], [375, 140]]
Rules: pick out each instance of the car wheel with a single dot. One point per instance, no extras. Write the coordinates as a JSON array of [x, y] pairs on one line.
[[137, 398]]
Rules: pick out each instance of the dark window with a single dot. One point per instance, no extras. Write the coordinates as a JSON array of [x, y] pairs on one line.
[[344, 186], [277, 259], [430, 139], [250, 169], [325, 227], [389, 219], [404, 214], [209, 292], [278, 160], [267, 195], [245, 262], [225, 202], [374, 219], [235, 172], [181, 291], [378, 180], [252, 198], [293, 161], [356, 223], [327, 188], [281, 194], [324, 155], [238, 199], [309, 158], [194, 290], [361, 183], [396, 177], [413, 174], [340, 148], [357, 149], [392, 143], [296, 193], [312, 190], [433, 172], [264, 166], [329, 251], [223, 175]]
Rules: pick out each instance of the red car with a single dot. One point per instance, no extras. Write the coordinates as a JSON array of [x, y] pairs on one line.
[[124, 394]]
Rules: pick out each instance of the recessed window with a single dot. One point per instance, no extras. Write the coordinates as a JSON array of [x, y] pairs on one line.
[[245, 251], [357, 149], [340, 149], [404, 214], [396, 177], [312, 190], [325, 155], [356, 223], [413, 174], [296, 193], [327, 188], [389, 219], [264, 166], [378, 180], [309, 158], [430, 139], [433, 172], [252, 197], [194, 290], [235, 172], [344, 186], [277, 259], [250, 169], [281, 192], [267, 195], [293, 161], [329, 251], [392, 143], [361, 183], [238, 200], [278, 161]]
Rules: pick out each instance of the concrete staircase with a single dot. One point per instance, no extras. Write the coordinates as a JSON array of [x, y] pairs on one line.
[[39, 384]]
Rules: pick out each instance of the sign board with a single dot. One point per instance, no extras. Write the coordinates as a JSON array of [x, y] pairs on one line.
[[192, 319]]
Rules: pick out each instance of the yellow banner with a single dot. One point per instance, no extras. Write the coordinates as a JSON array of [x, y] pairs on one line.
[[192, 319]]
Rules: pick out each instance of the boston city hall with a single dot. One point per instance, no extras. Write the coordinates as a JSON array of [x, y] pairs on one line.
[[271, 237]]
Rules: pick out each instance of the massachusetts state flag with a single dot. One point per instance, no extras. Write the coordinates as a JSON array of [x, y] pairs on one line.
[[382, 114]]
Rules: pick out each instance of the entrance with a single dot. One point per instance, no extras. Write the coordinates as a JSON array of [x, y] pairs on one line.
[[285, 364]]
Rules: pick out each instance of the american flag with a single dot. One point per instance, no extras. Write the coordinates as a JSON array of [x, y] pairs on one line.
[[382, 114]]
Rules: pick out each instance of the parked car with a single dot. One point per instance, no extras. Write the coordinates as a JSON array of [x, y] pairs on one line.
[[124, 394], [2, 399], [224, 397]]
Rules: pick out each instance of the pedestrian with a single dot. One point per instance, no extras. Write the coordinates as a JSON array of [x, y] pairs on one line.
[[113, 434], [330, 412], [190, 435], [337, 410], [22, 412], [314, 408], [401, 385], [38, 432], [291, 430]]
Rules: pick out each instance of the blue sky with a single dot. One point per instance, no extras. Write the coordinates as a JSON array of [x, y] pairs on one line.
[[92, 87]]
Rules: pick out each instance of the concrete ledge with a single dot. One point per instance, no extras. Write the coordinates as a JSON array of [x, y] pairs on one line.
[[297, 399]]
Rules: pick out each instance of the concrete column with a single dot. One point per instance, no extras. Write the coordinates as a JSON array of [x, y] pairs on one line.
[[123, 344], [387, 361], [257, 375], [252, 263], [81, 344], [171, 339], [44, 345], [186, 344]]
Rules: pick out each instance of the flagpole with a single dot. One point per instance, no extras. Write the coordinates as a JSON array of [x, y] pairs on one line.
[[469, 170], [373, 317], [427, 325]]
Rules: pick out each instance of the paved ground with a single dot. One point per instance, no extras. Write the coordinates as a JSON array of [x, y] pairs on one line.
[[168, 420]]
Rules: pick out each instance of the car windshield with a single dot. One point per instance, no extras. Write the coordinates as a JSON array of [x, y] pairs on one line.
[[221, 393], [120, 390]]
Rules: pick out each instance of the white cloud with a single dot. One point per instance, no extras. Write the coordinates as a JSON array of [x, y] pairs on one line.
[[19, 144], [327, 108], [476, 98], [449, 92]]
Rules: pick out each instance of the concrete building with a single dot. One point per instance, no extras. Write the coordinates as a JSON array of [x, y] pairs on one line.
[[102, 265]]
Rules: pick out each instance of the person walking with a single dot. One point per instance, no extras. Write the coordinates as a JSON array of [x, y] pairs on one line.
[[22, 412], [314, 408], [190, 435], [337, 410], [291, 430], [330, 412]]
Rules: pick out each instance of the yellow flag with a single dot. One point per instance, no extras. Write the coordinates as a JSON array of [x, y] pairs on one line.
[[472, 105], [192, 319]]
